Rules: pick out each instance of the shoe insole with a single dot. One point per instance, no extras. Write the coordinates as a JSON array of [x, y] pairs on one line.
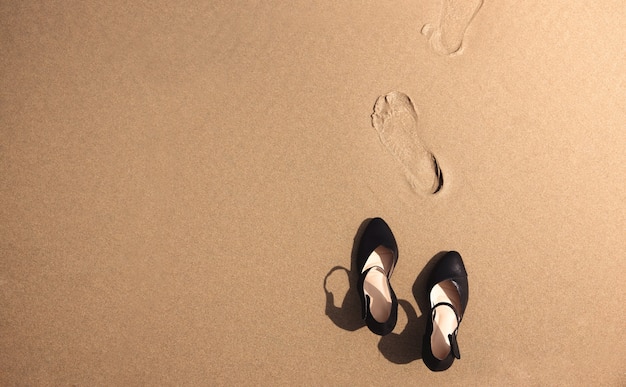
[[444, 321], [376, 285]]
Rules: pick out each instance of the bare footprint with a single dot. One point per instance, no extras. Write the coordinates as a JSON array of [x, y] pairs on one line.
[[446, 38], [395, 120]]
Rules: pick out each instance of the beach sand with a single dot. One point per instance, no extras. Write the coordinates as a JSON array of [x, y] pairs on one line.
[[182, 184]]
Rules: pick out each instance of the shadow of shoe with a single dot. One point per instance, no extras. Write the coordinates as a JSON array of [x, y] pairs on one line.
[[348, 315], [406, 346]]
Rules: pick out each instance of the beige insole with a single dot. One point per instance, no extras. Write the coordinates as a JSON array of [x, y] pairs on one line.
[[376, 284], [445, 321]]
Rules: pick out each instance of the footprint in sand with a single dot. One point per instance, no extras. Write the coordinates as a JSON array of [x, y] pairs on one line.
[[395, 120], [446, 38]]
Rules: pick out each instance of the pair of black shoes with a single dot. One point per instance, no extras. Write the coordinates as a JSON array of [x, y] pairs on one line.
[[447, 288]]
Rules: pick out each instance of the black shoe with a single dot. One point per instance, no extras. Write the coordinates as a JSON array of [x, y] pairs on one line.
[[376, 258], [448, 292]]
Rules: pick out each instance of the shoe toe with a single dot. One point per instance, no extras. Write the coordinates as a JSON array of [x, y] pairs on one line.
[[376, 233]]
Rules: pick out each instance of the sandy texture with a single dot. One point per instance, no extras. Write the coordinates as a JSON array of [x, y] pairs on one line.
[[179, 180]]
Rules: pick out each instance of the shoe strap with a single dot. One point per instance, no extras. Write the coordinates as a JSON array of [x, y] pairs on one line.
[[443, 303], [377, 268], [454, 346]]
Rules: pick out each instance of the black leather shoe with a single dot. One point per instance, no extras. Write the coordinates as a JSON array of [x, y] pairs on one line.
[[448, 292], [376, 258]]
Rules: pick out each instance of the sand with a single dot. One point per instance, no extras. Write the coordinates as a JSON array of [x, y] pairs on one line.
[[182, 182]]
